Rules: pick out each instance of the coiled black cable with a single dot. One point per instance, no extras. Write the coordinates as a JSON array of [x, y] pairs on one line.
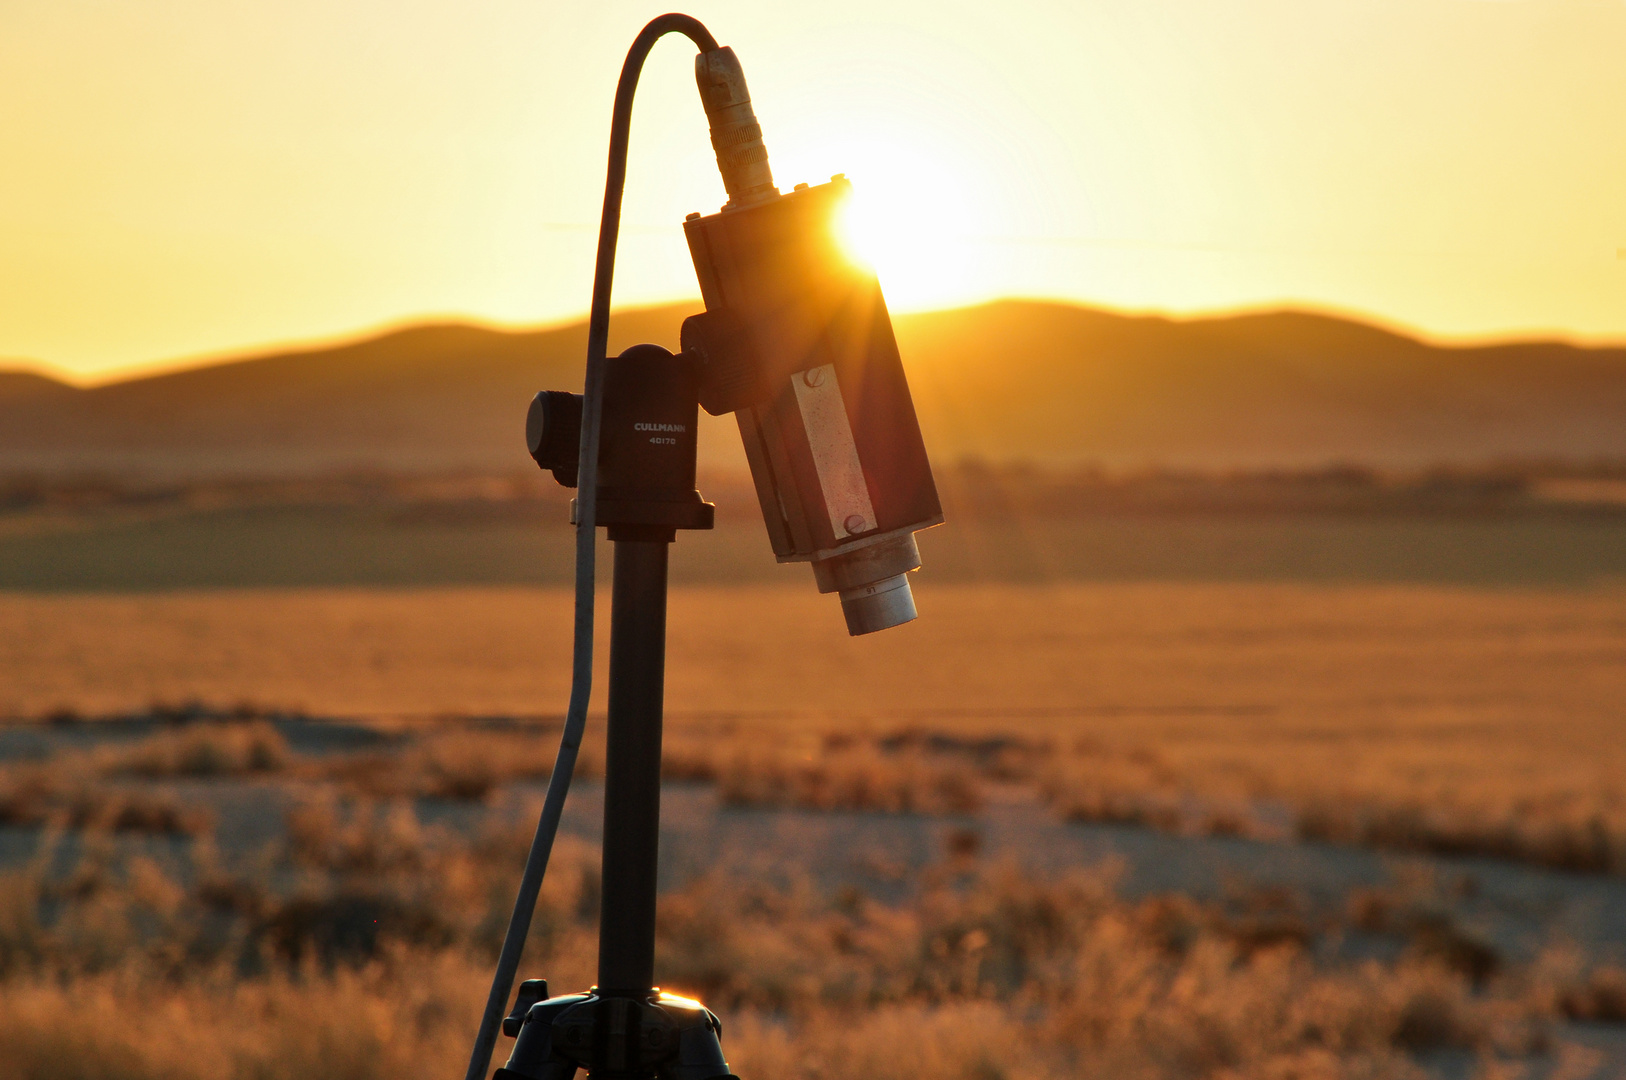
[[581, 676]]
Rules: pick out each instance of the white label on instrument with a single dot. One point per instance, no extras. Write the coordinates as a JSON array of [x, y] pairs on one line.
[[835, 455]]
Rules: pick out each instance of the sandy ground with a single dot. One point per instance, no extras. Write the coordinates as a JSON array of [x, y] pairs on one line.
[[985, 652]]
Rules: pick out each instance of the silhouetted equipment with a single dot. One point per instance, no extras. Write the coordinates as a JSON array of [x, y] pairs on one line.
[[797, 343], [646, 458]]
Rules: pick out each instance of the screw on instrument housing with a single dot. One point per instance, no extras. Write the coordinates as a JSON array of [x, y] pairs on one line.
[[814, 376], [855, 523]]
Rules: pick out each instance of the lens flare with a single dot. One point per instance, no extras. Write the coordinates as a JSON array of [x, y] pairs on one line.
[[911, 235], [856, 231]]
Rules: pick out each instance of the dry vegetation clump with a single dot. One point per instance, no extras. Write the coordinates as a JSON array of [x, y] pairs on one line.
[[350, 880], [996, 757], [457, 759], [459, 762], [404, 1016], [1140, 786], [94, 788], [853, 777], [66, 794], [1598, 996], [368, 875], [909, 770], [101, 913], [1402, 804], [201, 750], [356, 836], [1579, 842]]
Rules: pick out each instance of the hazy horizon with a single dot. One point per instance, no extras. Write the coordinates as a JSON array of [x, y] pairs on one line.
[[236, 353], [189, 180]]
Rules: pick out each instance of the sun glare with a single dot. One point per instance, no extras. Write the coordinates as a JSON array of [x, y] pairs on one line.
[[907, 220]]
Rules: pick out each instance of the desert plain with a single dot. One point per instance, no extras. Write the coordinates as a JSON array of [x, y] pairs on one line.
[[1217, 769]]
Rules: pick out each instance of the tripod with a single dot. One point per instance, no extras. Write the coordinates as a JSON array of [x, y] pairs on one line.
[[625, 1027]]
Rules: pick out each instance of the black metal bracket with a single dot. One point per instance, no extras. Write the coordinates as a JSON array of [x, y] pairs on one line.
[[647, 441]]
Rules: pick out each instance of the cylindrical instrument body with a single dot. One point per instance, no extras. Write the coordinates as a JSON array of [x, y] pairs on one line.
[[797, 341]]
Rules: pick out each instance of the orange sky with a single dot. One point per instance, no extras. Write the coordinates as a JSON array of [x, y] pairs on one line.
[[185, 177]]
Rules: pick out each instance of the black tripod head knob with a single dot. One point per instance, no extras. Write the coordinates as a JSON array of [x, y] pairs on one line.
[[553, 433], [531, 991], [731, 376]]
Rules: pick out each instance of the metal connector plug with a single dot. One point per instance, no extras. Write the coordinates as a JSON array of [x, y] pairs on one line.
[[735, 134]]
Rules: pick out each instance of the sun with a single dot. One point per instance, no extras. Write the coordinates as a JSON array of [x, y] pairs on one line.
[[907, 219]]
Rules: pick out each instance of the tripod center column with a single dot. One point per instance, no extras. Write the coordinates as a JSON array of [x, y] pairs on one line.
[[632, 771]]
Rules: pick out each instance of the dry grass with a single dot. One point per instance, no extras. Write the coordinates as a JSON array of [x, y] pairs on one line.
[[1417, 718], [370, 959], [401, 1019], [93, 789], [842, 773], [850, 782], [67, 795], [357, 946], [1450, 799], [1188, 788], [201, 750], [461, 762], [1425, 719]]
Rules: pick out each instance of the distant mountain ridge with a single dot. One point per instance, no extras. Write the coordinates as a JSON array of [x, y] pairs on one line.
[[1010, 380], [30, 386]]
